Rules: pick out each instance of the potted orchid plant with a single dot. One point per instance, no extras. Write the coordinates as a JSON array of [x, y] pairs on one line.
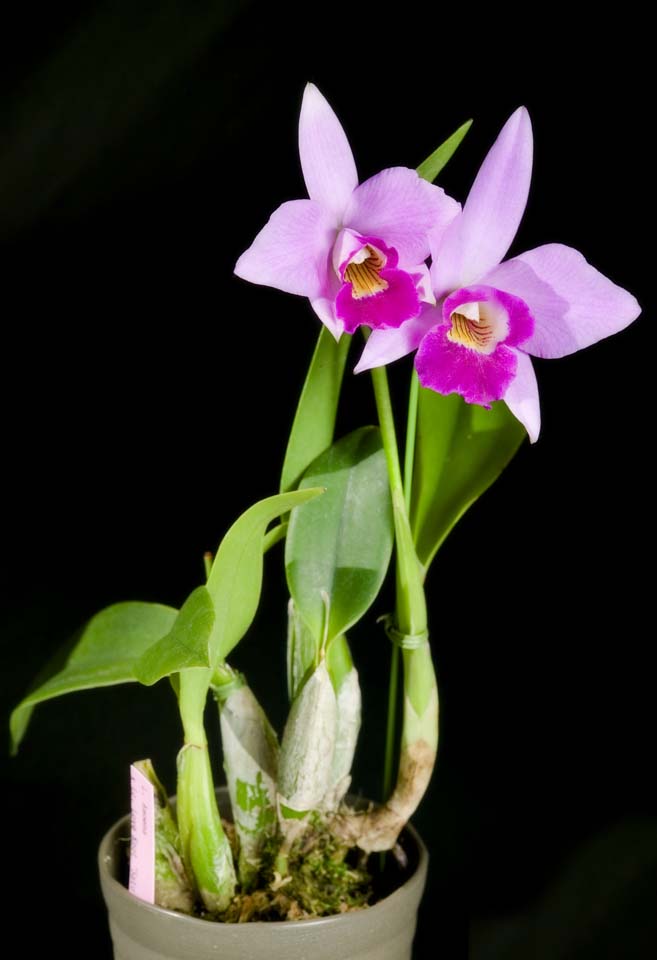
[[419, 275]]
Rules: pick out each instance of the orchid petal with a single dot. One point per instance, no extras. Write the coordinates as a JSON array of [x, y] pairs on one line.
[[385, 346], [573, 304], [521, 396], [328, 165], [324, 307], [402, 208], [422, 279], [292, 250], [478, 240]]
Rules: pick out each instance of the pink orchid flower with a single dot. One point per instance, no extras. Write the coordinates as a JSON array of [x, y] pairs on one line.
[[357, 252], [491, 316]]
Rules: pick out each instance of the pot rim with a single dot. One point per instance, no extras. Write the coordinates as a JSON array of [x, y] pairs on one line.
[[105, 858]]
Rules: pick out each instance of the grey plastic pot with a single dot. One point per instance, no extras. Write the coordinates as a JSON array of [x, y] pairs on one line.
[[141, 931]]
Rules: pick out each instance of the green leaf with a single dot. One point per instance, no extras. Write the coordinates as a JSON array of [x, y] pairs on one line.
[[235, 580], [187, 643], [461, 449], [338, 548], [432, 166], [102, 654], [314, 421]]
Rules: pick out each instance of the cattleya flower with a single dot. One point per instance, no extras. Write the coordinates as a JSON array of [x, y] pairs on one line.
[[357, 252], [490, 317]]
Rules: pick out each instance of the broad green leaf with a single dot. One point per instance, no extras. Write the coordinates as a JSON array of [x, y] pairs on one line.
[[338, 548], [186, 645], [461, 449], [235, 579], [314, 421], [103, 653], [431, 167]]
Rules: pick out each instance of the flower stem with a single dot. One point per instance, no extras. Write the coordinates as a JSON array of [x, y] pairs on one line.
[[389, 436], [411, 427], [391, 724], [387, 424], [409, 457], [411, 607], [378, 829]]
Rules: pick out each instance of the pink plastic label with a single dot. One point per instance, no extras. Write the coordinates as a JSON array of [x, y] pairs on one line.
[[142, 836]]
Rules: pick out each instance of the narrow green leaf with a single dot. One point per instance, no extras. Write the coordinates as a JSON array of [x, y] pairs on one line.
[[185, 646], [461, 449], [338, 548], [102, 654], [431, 167], [235, 580], [314, 421]]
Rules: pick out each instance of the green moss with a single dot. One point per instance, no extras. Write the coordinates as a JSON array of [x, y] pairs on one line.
[[324, 877]]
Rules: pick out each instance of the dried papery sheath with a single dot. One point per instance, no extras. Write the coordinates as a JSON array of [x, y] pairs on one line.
[[250, 749], [349, 703], [173, 889], [308, 744]]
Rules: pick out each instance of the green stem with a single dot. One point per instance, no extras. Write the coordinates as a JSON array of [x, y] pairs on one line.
[[410, 613], [411, 606], [404, 601], [379, 828], [389, 762], [387, 424], [411, 427], [205, 847]]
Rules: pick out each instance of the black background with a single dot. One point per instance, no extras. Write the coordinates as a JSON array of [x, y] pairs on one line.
[[147, 395]]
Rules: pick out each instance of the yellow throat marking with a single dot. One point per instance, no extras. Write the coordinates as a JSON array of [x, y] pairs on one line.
[[475, 334], [364, 276]]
